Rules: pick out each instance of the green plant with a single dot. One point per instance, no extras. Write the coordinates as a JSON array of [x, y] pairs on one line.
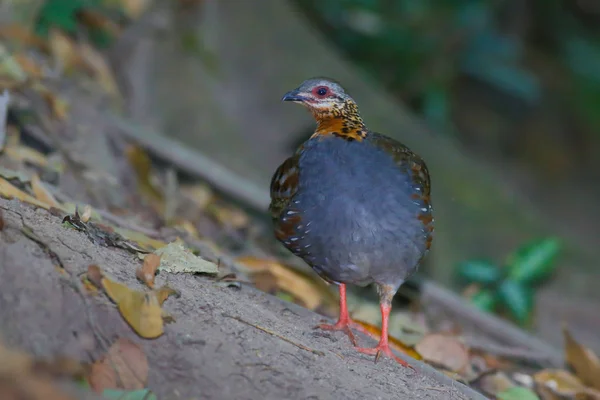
[[510, 287]]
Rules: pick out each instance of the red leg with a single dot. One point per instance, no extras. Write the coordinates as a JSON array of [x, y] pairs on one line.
[[383, 347], [344, 321]]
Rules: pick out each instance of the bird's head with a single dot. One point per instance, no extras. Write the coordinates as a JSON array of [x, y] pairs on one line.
[[323, 97]]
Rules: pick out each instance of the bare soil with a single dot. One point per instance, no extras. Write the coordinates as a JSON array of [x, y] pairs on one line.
[[208, 352]]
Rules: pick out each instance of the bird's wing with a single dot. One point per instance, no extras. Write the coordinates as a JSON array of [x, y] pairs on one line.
[[406, 159], [284, 185]]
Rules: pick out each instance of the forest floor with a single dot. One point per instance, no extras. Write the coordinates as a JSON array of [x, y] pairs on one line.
[[225, 342]]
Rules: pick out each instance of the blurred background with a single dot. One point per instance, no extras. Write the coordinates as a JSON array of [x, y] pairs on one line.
[[500, 97]]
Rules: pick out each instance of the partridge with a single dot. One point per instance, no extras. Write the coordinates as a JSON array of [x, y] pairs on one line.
[[353, 204]]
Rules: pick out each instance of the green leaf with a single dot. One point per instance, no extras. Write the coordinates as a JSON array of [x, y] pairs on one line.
[[533, 261], [517, 393], [517, 298], [142, 394], [479, 271], [485, 300], [60, 13]]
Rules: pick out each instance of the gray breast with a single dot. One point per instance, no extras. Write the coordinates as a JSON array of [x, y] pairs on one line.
[[358, 218]]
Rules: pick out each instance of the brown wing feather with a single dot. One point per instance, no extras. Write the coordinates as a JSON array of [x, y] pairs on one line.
[[284, 185]]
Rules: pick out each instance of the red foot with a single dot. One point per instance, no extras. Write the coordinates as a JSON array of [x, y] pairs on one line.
[[385, 350], [343, 326]]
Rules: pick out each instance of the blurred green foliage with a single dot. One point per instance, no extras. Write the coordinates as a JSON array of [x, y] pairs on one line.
[[510, 287], [65, 15], [422, 49]]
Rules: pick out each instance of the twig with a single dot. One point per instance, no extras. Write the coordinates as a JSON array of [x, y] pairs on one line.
[[4, 100], [193, 162], [518, 353], [277, 335]]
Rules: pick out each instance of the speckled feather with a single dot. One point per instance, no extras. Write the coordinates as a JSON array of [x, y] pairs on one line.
[[354, 204]]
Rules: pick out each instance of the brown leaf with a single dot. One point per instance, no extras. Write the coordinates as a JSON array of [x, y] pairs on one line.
[[41, 193], [556, 384], [58, 106], [141, 310], [583, 360], [148, 270], [94, 275], [268, 275], [23, 377], [125, 366], [443, 350]]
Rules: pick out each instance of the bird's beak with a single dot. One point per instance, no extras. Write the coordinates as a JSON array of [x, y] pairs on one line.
[[295, 96]]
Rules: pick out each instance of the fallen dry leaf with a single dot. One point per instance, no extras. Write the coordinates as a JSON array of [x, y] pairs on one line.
[[41, 193], [142, 240], [583, 360], [394, 342], [94, 275], [10, 191], [26, 154], [199, 194], [99, 68], [23, 35], [124, 366], [87, 213], [23, 377], [142, 165], [134, 8], [148, 270], [141, 310], [63, 50], [58, 106], [269, 275], [444, 350], [177, 259], [229, 216], [556, 384]]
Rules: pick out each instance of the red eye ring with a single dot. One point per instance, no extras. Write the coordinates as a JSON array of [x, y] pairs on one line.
[[321, 91]]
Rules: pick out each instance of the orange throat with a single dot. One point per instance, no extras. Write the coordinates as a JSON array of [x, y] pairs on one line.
[[343, 127]]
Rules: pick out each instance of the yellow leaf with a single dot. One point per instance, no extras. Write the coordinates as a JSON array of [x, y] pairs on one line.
[[135, 8], [583, 360], [9, 191], [142, 165], [27, 154], [142, 240], [141, 310], [98, 66], [58, 106], [270, 274], [375, 331], [63, 50], [41, 193]]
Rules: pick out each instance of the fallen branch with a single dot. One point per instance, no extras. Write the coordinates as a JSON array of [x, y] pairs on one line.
[[4, 100]]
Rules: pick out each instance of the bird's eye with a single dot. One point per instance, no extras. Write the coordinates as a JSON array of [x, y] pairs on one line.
[[322, 91]]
